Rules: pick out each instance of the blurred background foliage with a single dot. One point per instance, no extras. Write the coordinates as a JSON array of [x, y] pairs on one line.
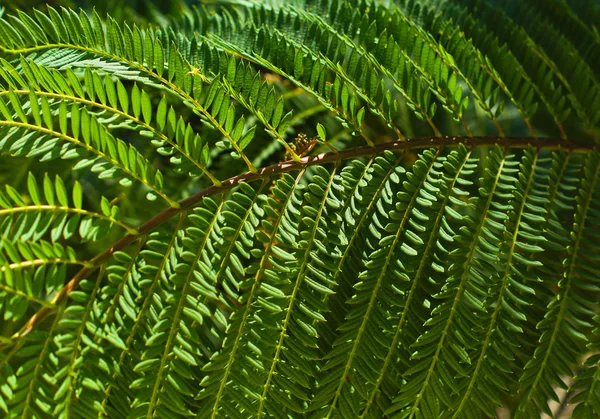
[[138, 11]]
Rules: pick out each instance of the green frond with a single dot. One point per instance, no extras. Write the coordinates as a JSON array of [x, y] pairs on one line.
[[560, 326], [586, 383], [540, 60], [31, 217]]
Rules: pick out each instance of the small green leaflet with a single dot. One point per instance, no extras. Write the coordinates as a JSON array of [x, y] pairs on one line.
[[146, 107], [321, 131], [161, 114], [247, 138]]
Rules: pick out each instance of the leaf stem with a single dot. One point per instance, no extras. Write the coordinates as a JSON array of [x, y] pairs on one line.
[[289, 166]]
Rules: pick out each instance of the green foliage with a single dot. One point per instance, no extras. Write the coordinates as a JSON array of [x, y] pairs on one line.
[[430, 247]]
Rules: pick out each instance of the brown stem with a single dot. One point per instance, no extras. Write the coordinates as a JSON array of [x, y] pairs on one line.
[[288, 166]]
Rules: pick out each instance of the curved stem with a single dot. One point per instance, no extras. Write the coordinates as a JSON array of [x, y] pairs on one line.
[[288, 166]]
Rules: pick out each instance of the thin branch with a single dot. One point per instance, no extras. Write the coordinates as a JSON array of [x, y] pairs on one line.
[[289, 166]]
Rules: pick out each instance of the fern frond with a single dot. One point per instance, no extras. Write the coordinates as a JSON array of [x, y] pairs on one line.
[[559, 326], [586, 383], [170, 133], [528, 40], [78, 132], [53, 212]]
